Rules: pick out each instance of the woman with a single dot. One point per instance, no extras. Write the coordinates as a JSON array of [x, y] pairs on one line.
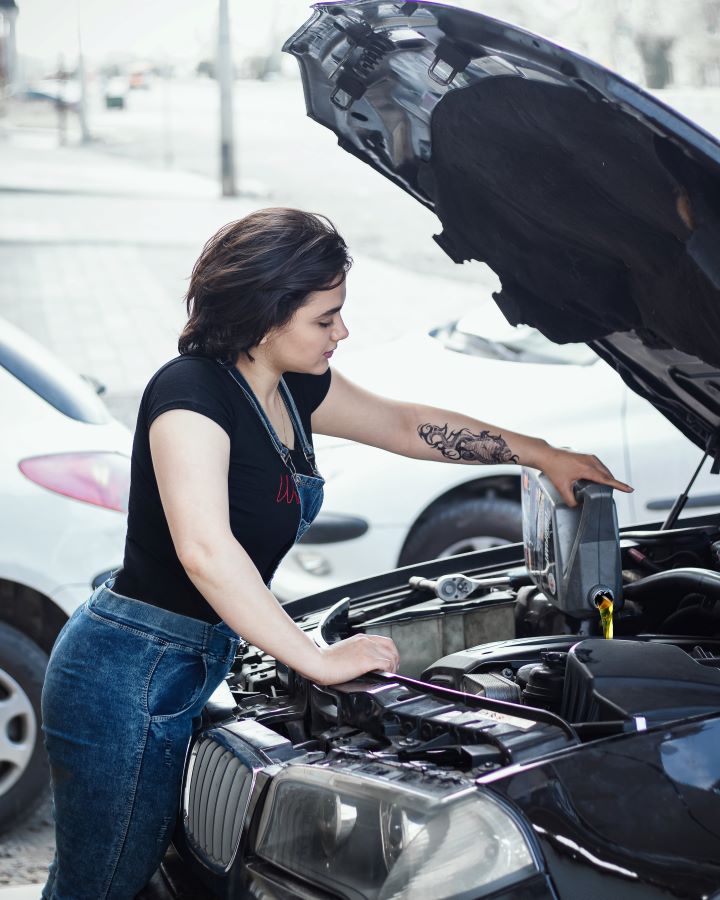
[[223, 483]]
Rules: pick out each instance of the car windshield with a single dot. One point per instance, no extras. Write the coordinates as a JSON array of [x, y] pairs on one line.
[[486, 333]]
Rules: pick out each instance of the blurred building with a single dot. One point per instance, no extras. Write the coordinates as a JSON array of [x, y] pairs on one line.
[[8, 52]]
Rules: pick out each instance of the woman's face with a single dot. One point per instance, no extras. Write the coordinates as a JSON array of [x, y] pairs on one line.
[[307, 342]]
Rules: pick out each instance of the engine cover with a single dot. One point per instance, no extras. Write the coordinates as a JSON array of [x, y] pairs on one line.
[[610, 680]]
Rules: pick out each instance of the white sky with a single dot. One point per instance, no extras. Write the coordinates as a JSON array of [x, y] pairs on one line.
[[183, 31]]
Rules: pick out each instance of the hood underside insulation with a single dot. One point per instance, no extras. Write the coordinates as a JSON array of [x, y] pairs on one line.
[[593, 224]]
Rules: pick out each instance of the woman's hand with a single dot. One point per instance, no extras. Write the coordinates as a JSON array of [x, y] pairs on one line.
[[355, 656], [565, 467]]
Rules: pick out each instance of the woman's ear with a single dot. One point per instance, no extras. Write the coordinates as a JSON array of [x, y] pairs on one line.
[[270, 335]]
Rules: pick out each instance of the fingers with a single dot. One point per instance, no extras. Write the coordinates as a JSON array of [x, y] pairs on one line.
[[595, 470], [356, 655], [385, 665], [610, 479], [619, 485], [602, 475], [597, 478], [386, 651], [602, 467], [569, 467]]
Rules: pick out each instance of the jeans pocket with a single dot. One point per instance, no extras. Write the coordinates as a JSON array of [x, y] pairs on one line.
[[177, 682]]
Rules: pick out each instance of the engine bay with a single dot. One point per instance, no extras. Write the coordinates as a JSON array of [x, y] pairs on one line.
[[502, 665]]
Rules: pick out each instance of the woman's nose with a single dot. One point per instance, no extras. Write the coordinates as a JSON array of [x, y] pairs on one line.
[[340, 332]]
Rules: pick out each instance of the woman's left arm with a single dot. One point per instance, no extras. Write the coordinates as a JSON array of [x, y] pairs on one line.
[[428, 432]]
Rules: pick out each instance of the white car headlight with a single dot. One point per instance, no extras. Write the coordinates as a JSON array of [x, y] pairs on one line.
[[362, 837], [312, 563]]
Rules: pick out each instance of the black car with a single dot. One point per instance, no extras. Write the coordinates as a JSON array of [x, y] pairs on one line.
[[520, 752]]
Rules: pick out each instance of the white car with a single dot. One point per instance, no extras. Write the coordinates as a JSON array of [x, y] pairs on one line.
[[64, 481], [382, 510]]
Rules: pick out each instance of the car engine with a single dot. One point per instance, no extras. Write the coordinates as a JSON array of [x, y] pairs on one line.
[[500, 666], [502, 663]]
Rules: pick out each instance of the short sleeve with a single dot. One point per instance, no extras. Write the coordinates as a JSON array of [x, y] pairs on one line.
[[317, 388], [308, 391], [193, 383]]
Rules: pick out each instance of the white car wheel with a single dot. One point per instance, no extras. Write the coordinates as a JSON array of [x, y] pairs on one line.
[[18, 731], [24, 776], [481, 542], [469, 523]]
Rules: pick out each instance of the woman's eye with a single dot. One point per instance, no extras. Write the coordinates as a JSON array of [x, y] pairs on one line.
[[325, 324]]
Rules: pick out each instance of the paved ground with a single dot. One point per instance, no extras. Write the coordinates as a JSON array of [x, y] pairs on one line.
[[26, 852]]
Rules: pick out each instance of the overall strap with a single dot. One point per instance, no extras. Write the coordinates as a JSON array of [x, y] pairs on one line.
[[247, 390], [293, 412], [297, 421]]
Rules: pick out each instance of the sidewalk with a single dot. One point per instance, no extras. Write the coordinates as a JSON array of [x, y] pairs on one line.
[[95, 251]]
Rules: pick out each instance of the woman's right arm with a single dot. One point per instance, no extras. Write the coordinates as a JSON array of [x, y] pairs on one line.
[[191, 455]]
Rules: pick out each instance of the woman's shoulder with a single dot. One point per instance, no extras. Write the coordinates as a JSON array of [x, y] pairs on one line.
[[186, 372], [188, 364], [190, 382]]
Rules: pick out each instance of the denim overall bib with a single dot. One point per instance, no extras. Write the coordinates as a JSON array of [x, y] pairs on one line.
[[125, 683], [309, 487]]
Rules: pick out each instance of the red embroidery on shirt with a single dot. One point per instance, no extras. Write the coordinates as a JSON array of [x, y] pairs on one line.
[[287, 491]]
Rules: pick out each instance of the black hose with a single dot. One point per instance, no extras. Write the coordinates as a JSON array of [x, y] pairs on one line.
[[677, 581], [688, 533]]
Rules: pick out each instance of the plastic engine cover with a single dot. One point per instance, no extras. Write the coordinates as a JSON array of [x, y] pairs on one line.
[[612, 680], [572, 553]]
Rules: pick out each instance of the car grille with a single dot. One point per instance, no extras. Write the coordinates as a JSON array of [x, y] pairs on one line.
[[216, 802]]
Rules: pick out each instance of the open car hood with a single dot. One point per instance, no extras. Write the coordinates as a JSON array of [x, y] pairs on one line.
[[596, 205]]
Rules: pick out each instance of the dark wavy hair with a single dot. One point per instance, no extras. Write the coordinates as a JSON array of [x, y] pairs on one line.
[[254, 274]]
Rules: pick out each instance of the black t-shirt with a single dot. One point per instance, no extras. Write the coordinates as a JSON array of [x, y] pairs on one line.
[[264, 507]]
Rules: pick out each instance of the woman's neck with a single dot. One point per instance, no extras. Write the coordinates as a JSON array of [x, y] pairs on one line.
[[262, 377]]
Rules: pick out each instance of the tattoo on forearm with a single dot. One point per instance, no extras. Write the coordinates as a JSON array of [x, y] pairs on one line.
[[466, 446]]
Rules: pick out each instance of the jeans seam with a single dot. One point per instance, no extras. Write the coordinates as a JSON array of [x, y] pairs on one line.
[[113, 623], [136, 776]]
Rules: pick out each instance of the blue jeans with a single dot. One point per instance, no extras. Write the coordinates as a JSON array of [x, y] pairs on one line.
[[124, 682]]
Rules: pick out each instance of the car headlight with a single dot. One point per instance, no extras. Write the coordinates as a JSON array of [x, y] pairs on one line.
[[312, 563], [362, 837]]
